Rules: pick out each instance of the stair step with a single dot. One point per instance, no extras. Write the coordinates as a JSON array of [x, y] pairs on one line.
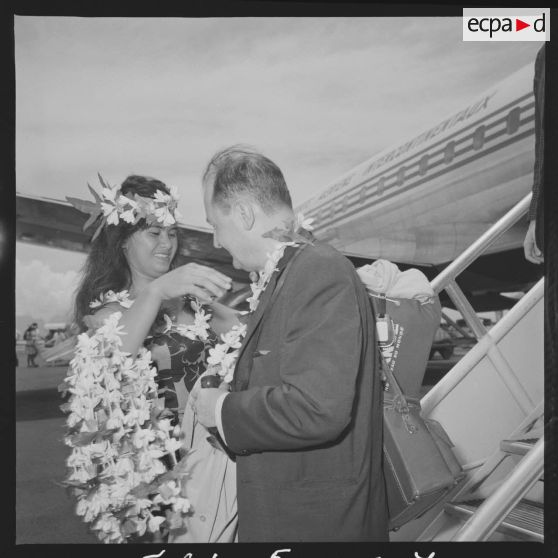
[[518, 447], [525, 521]]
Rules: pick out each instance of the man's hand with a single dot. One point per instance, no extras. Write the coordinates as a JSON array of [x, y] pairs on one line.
[[205, 400], [532, 252], [211, 371]]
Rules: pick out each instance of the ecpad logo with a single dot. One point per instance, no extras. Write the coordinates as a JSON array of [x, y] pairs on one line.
[[489, 24], [494, 24]]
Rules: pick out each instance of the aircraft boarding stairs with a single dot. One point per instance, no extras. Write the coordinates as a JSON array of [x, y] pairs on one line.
[[491, 404]]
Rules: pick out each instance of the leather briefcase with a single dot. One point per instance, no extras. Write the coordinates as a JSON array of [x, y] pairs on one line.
[[419, 464]]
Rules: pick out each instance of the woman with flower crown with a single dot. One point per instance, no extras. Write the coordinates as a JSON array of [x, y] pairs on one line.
[[137, 309]]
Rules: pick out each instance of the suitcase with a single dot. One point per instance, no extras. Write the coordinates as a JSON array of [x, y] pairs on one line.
[[419, 465]]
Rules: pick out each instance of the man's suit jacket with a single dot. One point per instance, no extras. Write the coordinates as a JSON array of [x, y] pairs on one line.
[[305, 415]]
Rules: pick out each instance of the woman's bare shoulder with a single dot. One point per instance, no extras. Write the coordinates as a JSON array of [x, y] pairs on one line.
[[98, 317]]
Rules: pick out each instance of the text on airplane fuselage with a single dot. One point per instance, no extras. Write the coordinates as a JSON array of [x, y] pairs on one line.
[[447, 124]]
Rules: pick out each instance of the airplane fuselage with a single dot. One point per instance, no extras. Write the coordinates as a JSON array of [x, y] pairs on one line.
[[424, 201]]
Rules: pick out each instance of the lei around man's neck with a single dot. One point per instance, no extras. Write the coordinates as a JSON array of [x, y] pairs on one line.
[[224, 355], [292, 232]]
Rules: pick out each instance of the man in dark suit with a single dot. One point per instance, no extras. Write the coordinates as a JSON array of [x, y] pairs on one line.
[[304, 416]]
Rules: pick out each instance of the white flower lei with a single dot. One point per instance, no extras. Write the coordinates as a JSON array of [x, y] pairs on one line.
[[198, 330], [122, 298], [224, 355], [118, 437]]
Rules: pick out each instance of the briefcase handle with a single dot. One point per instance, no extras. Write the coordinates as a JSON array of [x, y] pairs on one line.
[[383, 363], [398, 397], [400, 402]]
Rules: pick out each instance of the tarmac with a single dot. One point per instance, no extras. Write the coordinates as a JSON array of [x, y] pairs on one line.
[[44, 511]]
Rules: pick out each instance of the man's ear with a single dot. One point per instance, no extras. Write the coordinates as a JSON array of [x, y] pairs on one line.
[[245, 213]]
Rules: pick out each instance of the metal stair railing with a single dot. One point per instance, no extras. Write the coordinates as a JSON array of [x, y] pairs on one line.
[[492, 512], [473, 481], [469, 255], [447, 280]]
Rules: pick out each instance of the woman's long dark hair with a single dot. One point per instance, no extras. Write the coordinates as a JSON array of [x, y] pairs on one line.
[[106, 267]]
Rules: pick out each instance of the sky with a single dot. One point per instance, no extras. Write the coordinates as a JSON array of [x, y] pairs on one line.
[[159, 96]]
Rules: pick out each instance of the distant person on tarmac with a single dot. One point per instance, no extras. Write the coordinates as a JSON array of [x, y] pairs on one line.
[[31, 337]]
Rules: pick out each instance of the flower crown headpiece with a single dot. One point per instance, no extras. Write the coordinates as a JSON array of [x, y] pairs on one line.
[[112, 206]]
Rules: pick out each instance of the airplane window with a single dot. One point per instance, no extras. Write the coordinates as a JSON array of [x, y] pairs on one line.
[[512, 121], [380, 185], [478, 137], [400, 176], [449, 152], [423, 165]]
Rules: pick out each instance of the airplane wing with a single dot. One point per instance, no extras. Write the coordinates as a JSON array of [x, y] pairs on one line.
[[61, 353], [56, 223]]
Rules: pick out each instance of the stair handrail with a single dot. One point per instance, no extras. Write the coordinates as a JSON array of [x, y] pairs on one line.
[[470, 254], [492, 512], [447, 280]]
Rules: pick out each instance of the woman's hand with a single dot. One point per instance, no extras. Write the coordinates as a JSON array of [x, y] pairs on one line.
[[197, 280], [202, 282]]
